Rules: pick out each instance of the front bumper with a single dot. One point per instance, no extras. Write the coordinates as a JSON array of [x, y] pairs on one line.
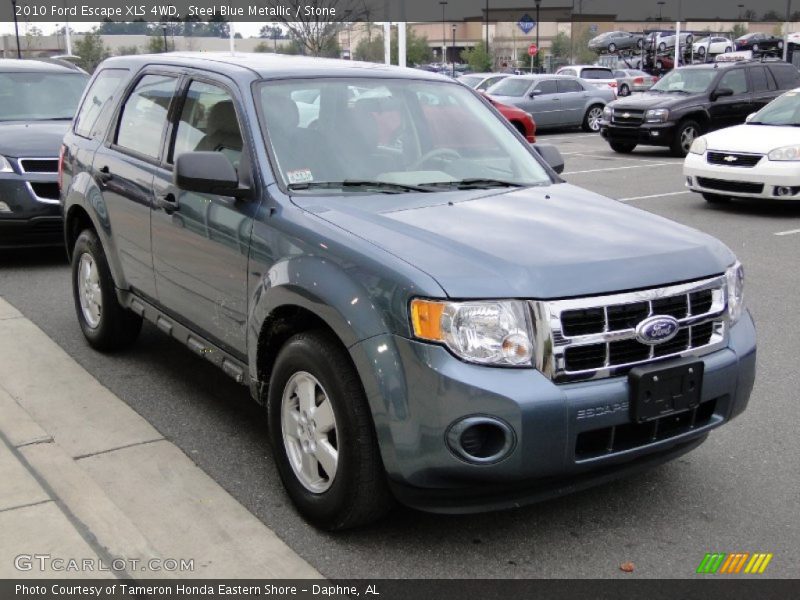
[[30, 211], [416, 391], [738, 182], [648, 134]]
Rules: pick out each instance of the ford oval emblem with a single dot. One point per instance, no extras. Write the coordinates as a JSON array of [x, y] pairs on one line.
[[657, 329]]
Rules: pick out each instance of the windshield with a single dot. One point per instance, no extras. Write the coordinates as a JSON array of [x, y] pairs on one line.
[[690, 81], [510, 86], [784, 110], [40, 96], [400, 133]]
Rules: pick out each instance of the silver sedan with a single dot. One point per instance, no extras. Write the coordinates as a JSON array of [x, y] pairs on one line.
[[633, 80], [555, 100]]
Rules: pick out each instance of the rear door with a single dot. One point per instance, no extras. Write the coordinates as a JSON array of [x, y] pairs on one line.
[[765, 90], [572, 96], [201, 241], [124, 168]]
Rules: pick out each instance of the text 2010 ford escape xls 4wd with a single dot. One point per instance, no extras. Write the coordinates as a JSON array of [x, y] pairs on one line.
[[426, 310]]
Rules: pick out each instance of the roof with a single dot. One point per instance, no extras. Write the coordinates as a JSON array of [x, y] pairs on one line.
[[536, 76], [28, 66], [276, 66]]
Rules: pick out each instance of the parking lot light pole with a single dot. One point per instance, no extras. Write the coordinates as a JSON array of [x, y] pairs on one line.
[[454, 50], [16, 27], [444, 34], [786, 30], [538, 25], [164, 29]]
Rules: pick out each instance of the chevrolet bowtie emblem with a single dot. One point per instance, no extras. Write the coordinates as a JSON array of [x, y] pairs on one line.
[[730, 158], [626, 115]]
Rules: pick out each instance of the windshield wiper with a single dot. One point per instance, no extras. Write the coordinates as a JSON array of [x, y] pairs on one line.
[[383, 186], [474, 183]]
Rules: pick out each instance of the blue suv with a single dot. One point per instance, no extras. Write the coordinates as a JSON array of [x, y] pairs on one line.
[[428, 313]]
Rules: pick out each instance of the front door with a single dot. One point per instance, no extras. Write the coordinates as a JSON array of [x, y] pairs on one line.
[[201, 241], [545, 104], [731, 110]]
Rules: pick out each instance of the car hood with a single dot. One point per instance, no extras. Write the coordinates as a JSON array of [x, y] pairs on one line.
[[544, 242], [32, 139], [758, 139], [650, 100]]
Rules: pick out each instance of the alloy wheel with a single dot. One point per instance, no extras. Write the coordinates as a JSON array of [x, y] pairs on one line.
[[309, 432], [89, 292], [594, 117], [688, 135]]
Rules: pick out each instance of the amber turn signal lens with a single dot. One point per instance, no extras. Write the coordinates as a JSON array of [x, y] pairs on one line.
[[426, 317]]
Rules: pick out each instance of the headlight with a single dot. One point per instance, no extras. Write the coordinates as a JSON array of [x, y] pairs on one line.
[[607, 112], [5, 166], [699, 146], [494, 332], [656, 115], [735, 279], [785, 153]]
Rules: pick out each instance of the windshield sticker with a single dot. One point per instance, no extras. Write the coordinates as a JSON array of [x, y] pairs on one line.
[[300, 176]]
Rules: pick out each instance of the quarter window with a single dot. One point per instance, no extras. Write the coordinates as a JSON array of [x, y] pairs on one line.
[[208, 123], [93, 115], [569, 85], [145, 114], [761, 79]]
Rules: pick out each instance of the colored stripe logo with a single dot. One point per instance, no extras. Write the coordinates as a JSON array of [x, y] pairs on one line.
[[734, 563]]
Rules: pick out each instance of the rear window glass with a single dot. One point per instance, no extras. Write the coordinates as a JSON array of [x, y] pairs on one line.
[[597, 74], [94, 112], [511, 86]]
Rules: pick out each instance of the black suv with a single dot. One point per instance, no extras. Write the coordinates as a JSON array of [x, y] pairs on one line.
[[37, 102], [693, 100]]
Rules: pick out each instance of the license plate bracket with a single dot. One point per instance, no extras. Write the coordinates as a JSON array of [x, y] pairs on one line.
[[658, 391]]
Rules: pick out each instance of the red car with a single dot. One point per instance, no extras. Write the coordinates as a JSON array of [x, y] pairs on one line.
[[519, 118]]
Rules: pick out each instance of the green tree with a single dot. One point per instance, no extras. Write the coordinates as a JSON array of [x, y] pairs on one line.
[[477, 58], [417, 49], [369, 49], [91, 50], [155, 44], [560, 47], [127, 50], [771, 15], [738, 30], [262, 47]]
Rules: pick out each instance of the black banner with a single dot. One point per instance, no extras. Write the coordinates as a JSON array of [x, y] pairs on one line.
[[701, 588], [396, 10]]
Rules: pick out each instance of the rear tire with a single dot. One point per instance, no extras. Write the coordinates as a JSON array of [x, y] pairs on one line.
[[592, 118], [716, 198], [728, 49], [685, 134], [624, 90], [612, 48], [106, 325], [351, 489], [622, 147]]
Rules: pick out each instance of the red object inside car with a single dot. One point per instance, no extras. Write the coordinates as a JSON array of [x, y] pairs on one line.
[[518, 118]]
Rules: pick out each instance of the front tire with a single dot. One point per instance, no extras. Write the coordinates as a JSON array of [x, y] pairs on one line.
[[622, 148], [322, 434], [716, 198], [685, 134], [592, 118], [612, 48], [106, 325], [624, 90]]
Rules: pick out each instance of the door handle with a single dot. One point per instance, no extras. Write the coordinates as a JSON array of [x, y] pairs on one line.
[[168, 202], [105, 174]]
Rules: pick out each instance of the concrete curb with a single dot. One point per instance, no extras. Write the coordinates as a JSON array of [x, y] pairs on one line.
[[85, 477]]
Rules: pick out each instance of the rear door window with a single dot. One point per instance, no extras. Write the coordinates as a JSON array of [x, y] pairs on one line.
[[761, 80], [95, 111], [144, 116], [735, 80], [787, 76]]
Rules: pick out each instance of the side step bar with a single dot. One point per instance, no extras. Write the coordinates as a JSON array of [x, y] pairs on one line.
[[232, 366]]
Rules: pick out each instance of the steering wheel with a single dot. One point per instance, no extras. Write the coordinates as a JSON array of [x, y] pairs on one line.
[[440, 153]]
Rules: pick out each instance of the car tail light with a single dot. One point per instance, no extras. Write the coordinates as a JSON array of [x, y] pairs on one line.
[[612, 84], [638, 80], [61, 166]]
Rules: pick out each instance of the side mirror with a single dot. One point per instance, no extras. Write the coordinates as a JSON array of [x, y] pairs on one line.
[[551, 155], [720, 92], [749, 117], [534, 93], [207, 173]]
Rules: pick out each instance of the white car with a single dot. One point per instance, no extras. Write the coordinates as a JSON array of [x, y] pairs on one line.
[[712, 45], [594, 75], [760, 159]]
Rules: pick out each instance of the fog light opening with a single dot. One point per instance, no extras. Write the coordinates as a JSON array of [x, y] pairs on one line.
[[480, 440], [784, 191]]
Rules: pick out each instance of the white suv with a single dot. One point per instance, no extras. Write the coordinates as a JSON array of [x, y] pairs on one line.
[[599, 77], [760, 159]]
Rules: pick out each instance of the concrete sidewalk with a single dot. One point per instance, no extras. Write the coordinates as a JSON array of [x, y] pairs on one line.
[[84, 478]]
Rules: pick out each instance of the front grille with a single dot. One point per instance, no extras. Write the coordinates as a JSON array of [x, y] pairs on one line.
[[589, 338], [724, 185], [733, 159], [621, 116], [39, 165], [608, 440], [45, 190]]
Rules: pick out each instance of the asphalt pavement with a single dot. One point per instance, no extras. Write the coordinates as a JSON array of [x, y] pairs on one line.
[[738, 492]]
